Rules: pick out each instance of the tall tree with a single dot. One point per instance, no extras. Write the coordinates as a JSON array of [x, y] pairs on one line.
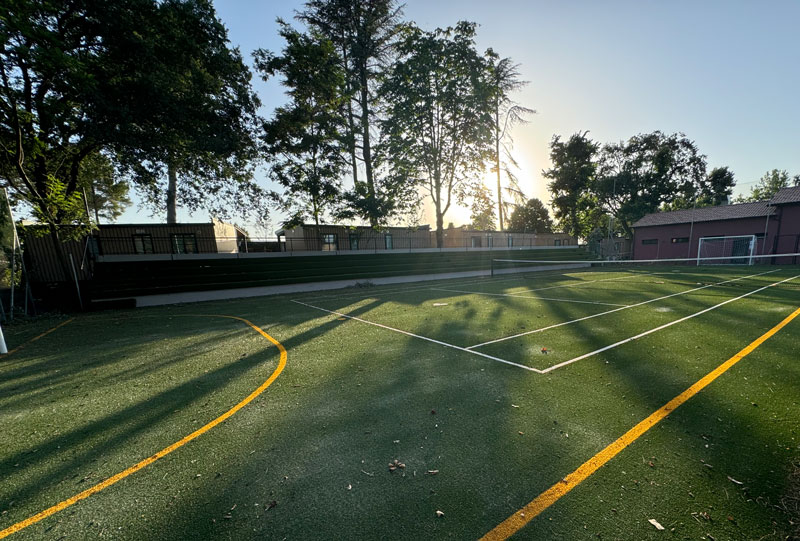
[[303, 139], [768, 185], [128, 76], [639, 176], [482, 209], [106, 193], [715, 190], [192, 139], [55, 105], [504, 79], [532, 217], [438, 122], [364, 35], [572, 176]]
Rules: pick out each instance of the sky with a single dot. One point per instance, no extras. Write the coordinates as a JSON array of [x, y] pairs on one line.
[[725, 73]]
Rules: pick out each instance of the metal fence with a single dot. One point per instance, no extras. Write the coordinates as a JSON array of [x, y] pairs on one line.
[[144, 244]]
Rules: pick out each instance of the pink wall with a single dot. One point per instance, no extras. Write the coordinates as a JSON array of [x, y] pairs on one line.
[[784, 225], [665, 249]]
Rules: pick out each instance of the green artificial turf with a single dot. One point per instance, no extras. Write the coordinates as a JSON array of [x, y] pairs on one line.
[[479, 439]]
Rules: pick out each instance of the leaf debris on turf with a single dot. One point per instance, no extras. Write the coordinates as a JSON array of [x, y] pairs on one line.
[[439, 513], [432, 472], [732, 480], [396, 464], [655, 523]]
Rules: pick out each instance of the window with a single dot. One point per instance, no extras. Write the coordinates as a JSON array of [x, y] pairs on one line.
[[649, 241], [142, 244], [680, 240], [476, 242], [329, 243], [183, 243], [388, 241], [510, 242], [353, 241], [557, 242]]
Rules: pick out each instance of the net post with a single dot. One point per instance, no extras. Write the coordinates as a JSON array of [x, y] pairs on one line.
[[491, 267]]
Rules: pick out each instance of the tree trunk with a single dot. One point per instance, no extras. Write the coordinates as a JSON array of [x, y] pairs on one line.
[[439, 225], [172, 192], [94, 204], [497, 164], [351, 124], [365, 143]]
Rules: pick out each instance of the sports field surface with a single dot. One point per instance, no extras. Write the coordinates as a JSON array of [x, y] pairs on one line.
[[603, 402]]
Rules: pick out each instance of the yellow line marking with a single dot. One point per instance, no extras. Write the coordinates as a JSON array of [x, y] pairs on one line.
[[515, 522], [162, 453], [34, 339]]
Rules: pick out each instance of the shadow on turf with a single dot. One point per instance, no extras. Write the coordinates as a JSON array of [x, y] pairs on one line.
[[389, 416]]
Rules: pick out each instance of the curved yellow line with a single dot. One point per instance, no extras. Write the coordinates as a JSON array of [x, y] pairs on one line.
[[515, 522], [162, 453], [35, 338]]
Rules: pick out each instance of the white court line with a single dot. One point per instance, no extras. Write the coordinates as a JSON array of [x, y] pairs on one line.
[[525, 297], [670, 324], [615, 310], [421, 337]]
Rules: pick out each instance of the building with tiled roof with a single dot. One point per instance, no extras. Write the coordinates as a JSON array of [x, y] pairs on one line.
[[774, 223]]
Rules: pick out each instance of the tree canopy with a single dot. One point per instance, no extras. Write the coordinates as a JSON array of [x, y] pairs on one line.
[[572, 176], [503, 78], [191, 140], [482, 209], [628, 179], [106, 193], [364, 36], [303, 140], [768, 185], [532, 217], [438, 120]]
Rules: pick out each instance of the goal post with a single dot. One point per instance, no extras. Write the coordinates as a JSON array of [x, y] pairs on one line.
[[728, 250]]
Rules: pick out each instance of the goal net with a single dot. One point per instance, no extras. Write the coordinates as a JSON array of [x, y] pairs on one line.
[[734, 250]]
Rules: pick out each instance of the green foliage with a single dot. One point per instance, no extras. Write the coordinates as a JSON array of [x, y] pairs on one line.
[[303, 140], [192, 142], [364, 35], [152, 82], [531, 217], [503, 79], [639, 176], [439, 118], [768, 185], [106, 193], [646, 173], [715, 191], [572, 175], [482, 209]]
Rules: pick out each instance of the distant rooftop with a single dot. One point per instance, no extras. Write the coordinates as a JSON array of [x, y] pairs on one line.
[[724, 212], [707, 214], [786, 195]]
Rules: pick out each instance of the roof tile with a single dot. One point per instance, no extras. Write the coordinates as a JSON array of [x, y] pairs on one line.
[[786, 195], [707, 214]]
